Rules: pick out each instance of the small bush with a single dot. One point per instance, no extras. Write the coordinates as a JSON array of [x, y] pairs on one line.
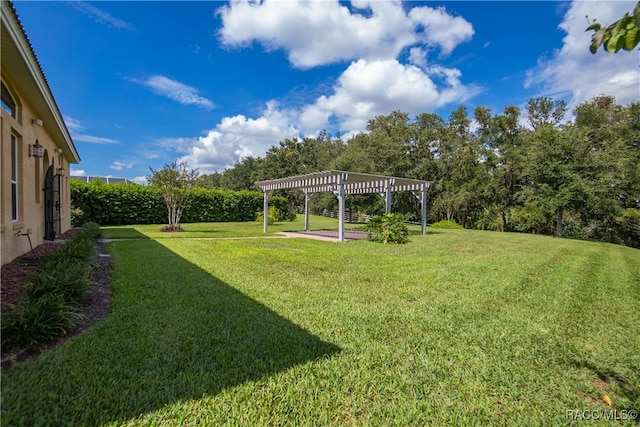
[[388, 228], [276, 215], [79, 249], [70, 279], [35, 320], [53, 293], [272, 216], [292, 215], [449, 224], [77, 217], [91, 230]]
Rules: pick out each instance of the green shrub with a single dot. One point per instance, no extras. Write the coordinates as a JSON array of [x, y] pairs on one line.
[[70, 279], [273, 216], [276, 214], [292, 215], [77, 217], [629, 226], [80, 249], [388, 228], [528, 220], [90, 230], [119, 204], [53, 293], [35, 320], [489, 219], [449, 224]]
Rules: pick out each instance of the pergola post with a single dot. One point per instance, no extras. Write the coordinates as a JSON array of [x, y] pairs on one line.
[[341, 197], [388, 198], [265, 209], [307, 196], [423, 197], [424, 209]]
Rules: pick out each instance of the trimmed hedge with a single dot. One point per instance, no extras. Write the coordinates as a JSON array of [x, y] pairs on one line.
[[120, 204]]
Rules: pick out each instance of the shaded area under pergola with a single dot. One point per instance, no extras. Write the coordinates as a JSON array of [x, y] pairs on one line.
[[342, 184]]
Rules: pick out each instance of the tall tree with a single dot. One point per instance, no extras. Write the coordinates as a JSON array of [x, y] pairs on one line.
[[462, 182], [390, 140], [243, 175], [209, 181], [612, 135], [428, 135], [555, 157], [545, 111], [501, 136]]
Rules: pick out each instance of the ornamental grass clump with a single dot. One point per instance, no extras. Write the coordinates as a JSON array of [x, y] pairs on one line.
[[68, 278], [53, 294], [37, 319], [90, 230]]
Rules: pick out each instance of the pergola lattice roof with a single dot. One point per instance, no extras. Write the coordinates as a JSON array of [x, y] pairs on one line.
[[343, 183], [354, 183]]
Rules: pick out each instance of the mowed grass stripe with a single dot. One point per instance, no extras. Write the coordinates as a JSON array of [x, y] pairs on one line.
[[455, 328]]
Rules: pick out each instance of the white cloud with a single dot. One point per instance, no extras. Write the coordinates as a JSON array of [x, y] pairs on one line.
[[93, 139], [318, 32], [418, 56], [75, 126], [366, 89], [440, 28], [78, 172], [143, 180], [179, 145], [175, 90], [577, 74], [119, 166], [371, 35], [100, 16], [237, 137], [370, 88], [72, 123]]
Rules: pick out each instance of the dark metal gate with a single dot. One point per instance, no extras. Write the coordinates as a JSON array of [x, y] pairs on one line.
[[51, 204]]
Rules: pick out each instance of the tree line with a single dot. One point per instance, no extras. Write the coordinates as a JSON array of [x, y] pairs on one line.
[[526, 171]]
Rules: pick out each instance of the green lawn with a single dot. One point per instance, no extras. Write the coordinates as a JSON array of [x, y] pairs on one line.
[[457, 327], [222, 230]]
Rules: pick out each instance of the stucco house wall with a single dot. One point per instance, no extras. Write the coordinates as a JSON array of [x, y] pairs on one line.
[[30, 117]]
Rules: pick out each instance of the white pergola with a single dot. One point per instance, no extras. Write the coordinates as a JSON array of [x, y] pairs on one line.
[[342, 184]]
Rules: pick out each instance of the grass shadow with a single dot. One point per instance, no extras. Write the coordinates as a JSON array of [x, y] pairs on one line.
[[176, 334], [427, 232], [122, 233], [611, 380]]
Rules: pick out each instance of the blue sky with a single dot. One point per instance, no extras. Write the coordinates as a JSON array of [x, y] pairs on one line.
[[141, 84]]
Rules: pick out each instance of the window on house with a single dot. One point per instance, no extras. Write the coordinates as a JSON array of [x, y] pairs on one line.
[[14, 177], [7, 101]]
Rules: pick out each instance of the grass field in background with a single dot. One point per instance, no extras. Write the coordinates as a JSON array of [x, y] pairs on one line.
[[225, 229], [457, 327]]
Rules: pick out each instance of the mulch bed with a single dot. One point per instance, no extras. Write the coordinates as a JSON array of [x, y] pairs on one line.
[[96, 307]]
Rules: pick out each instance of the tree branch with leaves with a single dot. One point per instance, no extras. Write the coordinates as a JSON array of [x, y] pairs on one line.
[[622, 34]]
